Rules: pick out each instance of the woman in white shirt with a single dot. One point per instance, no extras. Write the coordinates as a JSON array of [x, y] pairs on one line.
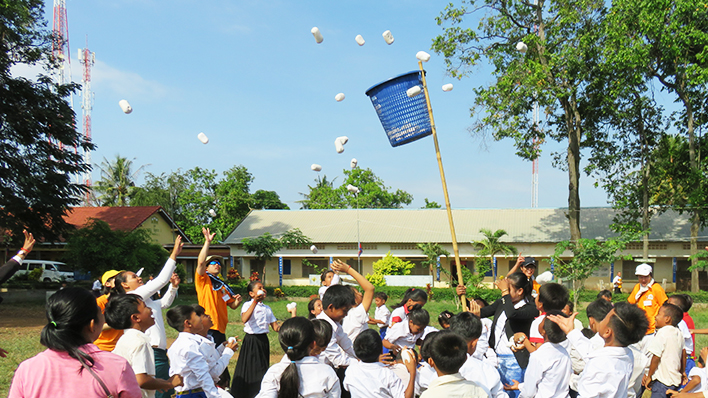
[[283, 380]]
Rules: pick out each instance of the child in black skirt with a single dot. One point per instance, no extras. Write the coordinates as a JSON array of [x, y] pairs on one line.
[[254, 359]]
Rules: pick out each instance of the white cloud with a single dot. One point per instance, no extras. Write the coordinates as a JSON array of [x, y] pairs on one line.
[[126, 83]]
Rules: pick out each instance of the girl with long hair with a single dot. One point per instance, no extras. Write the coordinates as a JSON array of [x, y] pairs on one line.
[[72, 365], [286, 379]]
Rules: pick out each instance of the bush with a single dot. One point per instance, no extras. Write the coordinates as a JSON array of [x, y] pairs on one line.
[[389, 265], [35, 274]]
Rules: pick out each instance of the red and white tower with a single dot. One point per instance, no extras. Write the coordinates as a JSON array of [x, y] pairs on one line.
[[87, 59], [60, 46]]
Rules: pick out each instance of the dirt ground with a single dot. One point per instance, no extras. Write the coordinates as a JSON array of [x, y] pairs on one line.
[[30, 316]]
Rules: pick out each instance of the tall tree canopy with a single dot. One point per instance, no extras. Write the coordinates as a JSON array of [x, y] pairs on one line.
[[189, 196], [373, 193], [38, 137], [559, 40]]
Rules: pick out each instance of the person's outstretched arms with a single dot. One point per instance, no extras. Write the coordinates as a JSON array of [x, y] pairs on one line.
[[201, 261], [519, 261], [13, 265], [151, 287], [340, 266]]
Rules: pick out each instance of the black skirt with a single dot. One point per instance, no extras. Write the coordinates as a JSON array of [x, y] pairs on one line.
[[253, 363]]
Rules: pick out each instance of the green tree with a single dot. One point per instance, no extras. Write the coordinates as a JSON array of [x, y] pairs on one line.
[[322, 196], [587, 256], [563, 44], [373, 193], [262, 199], [431, 205], [295, 237], [668, 40], [263, 247], [162, 190], [38, 138], [432, 251], [117, 183], [491, 245], [97, 248]]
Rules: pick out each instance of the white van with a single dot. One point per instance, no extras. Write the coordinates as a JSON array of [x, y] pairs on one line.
[[54, 271]]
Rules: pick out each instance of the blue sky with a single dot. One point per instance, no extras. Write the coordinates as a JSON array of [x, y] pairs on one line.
[[251, 77]]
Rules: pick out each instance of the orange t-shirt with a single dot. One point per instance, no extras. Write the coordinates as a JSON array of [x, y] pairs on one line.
[[650, 301], [109, 337], [213, 301]]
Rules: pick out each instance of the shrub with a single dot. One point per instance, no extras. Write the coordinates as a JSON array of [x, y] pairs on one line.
[[389, 265]]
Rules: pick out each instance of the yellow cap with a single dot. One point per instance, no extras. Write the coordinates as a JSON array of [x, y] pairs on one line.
[[108, 275]]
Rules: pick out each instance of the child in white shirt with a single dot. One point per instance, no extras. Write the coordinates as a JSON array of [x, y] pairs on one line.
[[549, 369], [668, 361], [406, 334], [303, 375], [448, 352], [608, 370], [382, 313], [329, 278], [371, 378], [697, 376], [412, 298], [128, 312], [254, 359], [425, 373], [185, 357], [469, 327], [218, 358], [357, 320]]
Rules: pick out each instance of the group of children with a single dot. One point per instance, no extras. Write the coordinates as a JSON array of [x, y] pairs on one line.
[[534, 346]]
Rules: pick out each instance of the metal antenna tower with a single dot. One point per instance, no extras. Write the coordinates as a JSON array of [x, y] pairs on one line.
[[87, 58], [60, 47]]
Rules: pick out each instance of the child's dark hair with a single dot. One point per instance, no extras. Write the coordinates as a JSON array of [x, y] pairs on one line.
[[629, 323], [605, 294], [553, 296], [324, 274], [381, 296], [323, 332], [198, 309], [368, 346], [69, 311], [118, 283], [311, 307], [554, 334], [570, 305], [449, 352], [338, 296], [598, 309], [467, 325], [295, 336], [417, 295], [177, 315], [483, 301], [444, 318], [520, 281], [419, 317], [120, 308], [674, 312], [252, 285], [427, 343], [680, 301], [587, 332]]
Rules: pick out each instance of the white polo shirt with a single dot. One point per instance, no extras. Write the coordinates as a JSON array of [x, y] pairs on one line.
[[261, 318], [134, 346], [400, 334]]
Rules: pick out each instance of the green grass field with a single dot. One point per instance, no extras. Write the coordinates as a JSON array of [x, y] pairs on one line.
[[20, 327]]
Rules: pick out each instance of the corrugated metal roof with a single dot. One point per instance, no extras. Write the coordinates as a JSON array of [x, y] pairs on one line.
[[431, 225]]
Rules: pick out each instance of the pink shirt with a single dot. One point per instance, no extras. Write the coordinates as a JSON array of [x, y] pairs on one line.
[[55, 374]]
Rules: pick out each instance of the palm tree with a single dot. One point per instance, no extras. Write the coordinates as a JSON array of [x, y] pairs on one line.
[[117, 183], [432, 251], [491, 246]]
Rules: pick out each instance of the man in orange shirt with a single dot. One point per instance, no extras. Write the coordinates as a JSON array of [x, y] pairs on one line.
[[647, 294], [214, 294]]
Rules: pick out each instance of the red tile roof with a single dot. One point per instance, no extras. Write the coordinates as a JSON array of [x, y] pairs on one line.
[[119, 218]]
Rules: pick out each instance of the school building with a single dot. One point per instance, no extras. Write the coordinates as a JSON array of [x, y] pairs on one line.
[[534, 232]]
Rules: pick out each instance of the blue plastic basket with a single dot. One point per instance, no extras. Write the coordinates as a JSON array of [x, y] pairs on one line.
[[404, 119]]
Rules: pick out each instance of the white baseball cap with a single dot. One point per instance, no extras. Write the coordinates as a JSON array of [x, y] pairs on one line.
[[643, 269]]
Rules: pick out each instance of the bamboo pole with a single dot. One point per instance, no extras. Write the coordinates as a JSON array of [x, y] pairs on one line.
[[444, 186]]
